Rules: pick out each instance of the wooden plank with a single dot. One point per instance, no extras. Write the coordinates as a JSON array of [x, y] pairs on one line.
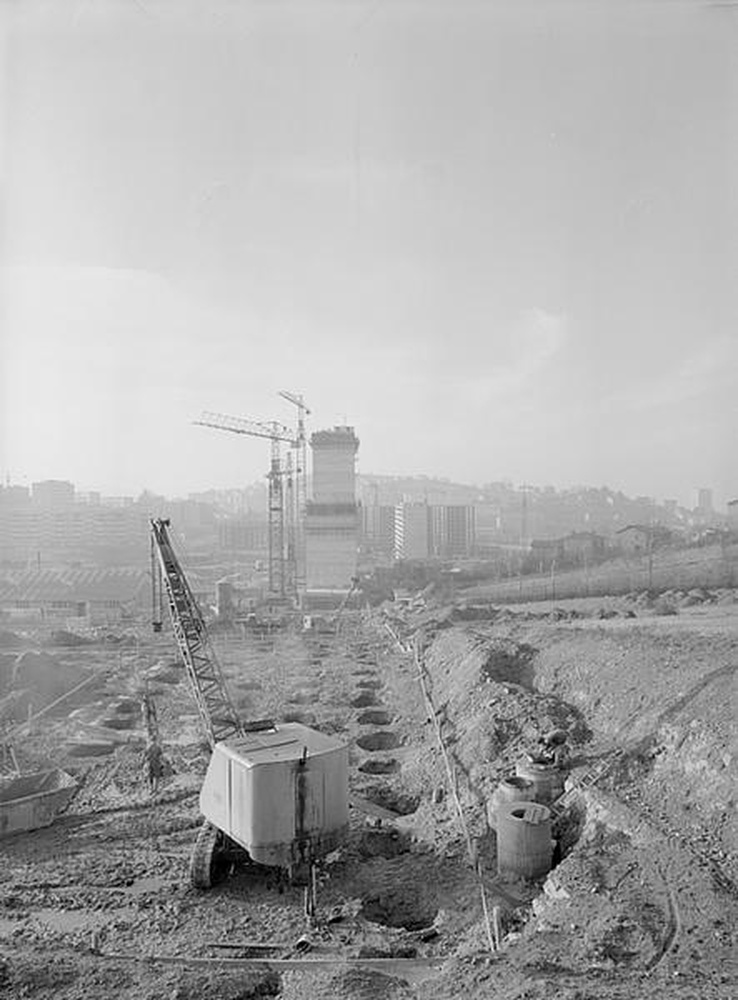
[[390, 966]]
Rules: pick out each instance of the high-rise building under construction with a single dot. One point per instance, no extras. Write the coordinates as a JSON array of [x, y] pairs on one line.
[[331, 517]]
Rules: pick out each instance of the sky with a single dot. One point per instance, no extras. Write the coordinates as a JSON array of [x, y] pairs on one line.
[[500, 239]]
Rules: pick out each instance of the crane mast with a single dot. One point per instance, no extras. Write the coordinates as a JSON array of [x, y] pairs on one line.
[[300, 504], [276, 433], [276, 533], [217, 712]]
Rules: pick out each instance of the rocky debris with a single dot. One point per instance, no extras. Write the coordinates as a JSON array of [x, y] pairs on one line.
[[666, 604]]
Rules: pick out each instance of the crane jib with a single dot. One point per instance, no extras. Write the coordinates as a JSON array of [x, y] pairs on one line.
[[214, 703]]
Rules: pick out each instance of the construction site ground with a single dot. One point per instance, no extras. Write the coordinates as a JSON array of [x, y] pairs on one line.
[[642, 902]]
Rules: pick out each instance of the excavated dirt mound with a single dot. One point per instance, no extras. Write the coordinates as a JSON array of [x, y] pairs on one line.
[[483, 688]]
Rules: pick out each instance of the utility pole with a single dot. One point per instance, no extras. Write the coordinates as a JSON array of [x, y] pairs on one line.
[[523, 536]]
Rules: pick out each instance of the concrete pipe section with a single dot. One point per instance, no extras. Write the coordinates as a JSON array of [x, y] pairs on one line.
[[524, 844]]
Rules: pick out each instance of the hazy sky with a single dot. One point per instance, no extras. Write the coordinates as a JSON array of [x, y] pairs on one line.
[[500, 239]]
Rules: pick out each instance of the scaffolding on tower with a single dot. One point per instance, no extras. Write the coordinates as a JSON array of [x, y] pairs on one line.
[[299, 445]]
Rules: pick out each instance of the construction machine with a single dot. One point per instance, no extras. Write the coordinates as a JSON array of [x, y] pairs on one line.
[[276, 791]]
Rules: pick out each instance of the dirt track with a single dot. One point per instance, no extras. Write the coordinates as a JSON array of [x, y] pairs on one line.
[[642, 904]]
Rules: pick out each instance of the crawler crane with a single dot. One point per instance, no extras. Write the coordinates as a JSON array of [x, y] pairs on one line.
[[278, 791]]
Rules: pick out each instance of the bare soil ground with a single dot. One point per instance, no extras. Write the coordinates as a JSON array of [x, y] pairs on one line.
[[642, 904]]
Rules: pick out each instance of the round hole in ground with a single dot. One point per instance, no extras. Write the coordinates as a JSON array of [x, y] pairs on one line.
[[118, 722], [387, 766], [126, 706], [375, 717], [378, 741], [91, 749], [398, 802], [364, 700], [401, 907], [383, 843]]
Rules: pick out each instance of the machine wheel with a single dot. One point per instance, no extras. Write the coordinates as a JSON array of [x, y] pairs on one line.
[[208, 864]]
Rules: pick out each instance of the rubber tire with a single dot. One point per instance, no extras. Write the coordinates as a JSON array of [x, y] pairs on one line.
[[207, 864]]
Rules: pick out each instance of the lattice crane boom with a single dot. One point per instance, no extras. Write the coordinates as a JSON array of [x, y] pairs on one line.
[[270, 429], [214, 704]]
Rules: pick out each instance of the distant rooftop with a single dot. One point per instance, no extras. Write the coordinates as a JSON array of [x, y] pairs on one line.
[[113, 584]]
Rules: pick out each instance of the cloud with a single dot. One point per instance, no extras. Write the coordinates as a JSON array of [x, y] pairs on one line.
[[103, 369], [531, 345], [700, 374]]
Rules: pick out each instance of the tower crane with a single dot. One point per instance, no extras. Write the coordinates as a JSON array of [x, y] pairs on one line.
[[277, 791], [300, 445], [276, 433]]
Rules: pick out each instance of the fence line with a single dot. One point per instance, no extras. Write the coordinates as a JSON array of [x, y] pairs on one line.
[[682, 569]]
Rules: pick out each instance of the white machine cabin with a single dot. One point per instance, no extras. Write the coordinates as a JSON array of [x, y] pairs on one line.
[[281, 793]]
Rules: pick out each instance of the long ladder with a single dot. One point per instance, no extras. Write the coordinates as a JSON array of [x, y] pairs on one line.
[[596, 772], [217, 711]]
